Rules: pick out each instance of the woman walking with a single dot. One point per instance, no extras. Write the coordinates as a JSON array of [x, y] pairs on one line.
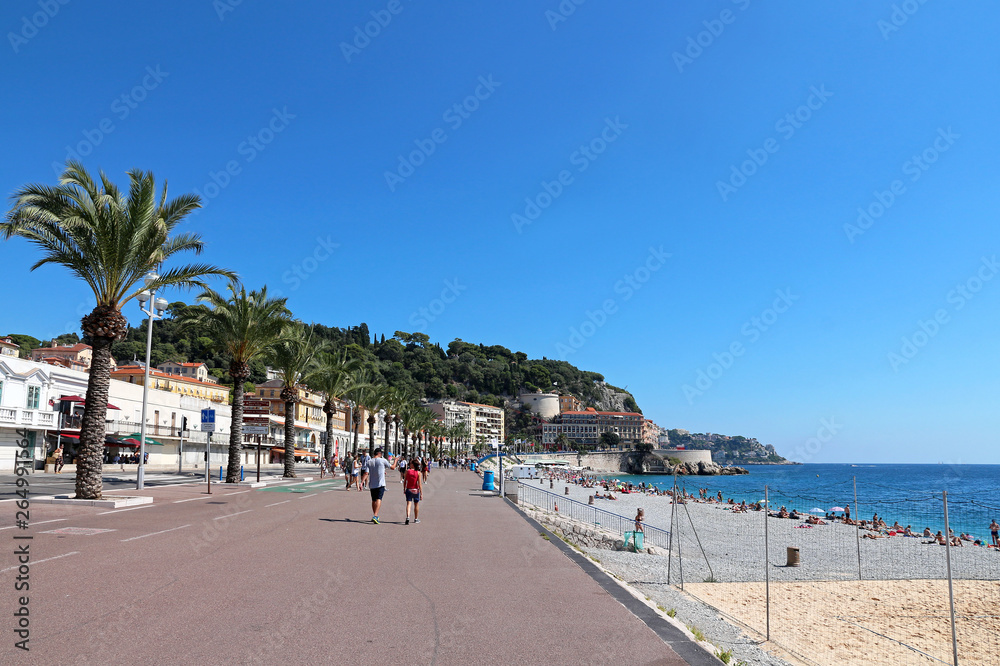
[[412, 487]]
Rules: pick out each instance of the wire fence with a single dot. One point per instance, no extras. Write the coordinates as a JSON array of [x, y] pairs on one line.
[[873, 589], [536, 495]]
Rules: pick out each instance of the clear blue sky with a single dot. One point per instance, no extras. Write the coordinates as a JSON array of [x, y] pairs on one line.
[[625, 131]]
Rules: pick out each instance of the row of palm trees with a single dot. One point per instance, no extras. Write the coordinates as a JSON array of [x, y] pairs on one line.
[[113, 240]]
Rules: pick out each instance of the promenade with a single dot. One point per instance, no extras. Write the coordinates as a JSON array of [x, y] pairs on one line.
[[296, 573]]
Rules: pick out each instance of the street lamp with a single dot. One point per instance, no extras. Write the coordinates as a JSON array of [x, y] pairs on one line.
[[158, 306]]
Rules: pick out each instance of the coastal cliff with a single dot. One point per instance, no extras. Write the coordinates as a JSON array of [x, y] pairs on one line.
[[638, 462]]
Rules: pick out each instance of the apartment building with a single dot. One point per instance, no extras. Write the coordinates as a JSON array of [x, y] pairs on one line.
[[310, 419], [485, 422], [163, 381], [197, 371], [586, 427]]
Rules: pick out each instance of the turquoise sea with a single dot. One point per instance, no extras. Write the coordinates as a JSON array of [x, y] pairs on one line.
[[911, 494]]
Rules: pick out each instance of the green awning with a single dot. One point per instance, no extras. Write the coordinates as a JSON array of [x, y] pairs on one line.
[[138, 437]]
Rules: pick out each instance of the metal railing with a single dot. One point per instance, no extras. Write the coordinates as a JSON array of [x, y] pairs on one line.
[[587, 513]]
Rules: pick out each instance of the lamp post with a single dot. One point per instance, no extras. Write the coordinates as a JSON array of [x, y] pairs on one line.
[[156, 310]]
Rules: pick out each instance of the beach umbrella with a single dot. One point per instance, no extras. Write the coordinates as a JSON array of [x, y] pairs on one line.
[[137, 436], [817, 510], [837, 508]]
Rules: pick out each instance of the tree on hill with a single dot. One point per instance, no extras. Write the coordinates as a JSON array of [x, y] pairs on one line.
[[609, 440]]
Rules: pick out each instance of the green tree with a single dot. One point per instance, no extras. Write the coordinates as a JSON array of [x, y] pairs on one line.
[[609, 439], [294, 357], [245, 326], [111, 241], [333, 376]]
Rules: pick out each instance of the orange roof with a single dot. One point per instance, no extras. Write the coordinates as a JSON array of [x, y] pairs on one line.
[[69, 348], [139, 370], [477, 404], [593, 412]]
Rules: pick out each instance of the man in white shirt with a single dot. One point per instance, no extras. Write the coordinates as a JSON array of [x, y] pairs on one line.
[[376, 480]]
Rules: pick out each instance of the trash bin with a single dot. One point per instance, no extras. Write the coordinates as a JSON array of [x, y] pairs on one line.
[[633, 540], [488, 480], [472, 466], [793, 557]]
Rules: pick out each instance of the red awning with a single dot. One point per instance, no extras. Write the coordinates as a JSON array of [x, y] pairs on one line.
[[76, 398]]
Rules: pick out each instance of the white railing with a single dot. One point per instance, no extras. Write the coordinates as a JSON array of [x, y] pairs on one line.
[[22, 416], [8, 415]]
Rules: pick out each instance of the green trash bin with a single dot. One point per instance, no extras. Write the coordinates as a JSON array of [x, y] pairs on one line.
[[633, 540]]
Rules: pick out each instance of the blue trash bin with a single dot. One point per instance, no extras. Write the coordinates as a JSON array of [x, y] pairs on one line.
[[488, 480], [473, 466]]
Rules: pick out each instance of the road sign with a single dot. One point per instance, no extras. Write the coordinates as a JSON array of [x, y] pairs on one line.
[[208, 420], [256, 406], [255, 425]]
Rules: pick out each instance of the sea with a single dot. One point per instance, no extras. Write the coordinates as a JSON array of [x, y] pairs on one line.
[[911, 494]]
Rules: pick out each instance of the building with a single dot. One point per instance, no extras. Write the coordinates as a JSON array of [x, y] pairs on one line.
[[586, 427], [74, 357], [545, 405], [9, 348], [159, 380], [569, 403], [650, 433], [43, 404], [197, 371], [485, 423], [310, 421]]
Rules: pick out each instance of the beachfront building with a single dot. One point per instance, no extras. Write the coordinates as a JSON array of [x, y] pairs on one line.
[[310, 422], [197, 371], [43, 404], [586, 427], [9, 348], [164, 381], [485, 423], [650, 433]]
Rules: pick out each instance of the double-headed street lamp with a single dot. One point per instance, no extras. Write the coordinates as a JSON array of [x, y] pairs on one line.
[[158, 306]]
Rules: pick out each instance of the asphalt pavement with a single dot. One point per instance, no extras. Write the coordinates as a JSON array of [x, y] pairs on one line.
[[297, 573]]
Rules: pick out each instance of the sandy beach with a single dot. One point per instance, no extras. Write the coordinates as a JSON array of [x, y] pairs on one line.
[[820, 611]]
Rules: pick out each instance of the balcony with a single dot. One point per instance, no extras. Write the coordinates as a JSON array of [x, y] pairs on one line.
[[28, 417]]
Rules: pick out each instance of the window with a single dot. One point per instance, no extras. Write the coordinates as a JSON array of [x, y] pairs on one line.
[[34, 394]]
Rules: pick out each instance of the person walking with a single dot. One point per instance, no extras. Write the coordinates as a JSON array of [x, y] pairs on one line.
[[412, 488], [375, 470], [363, 478], [349, 470], [58, 459], [995, 533]]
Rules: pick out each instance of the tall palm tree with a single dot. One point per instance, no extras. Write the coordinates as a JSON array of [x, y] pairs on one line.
[[398, 401], [245, 326], [375, 401], [334, 376], [363, 381], [111, 241], [294, 356]]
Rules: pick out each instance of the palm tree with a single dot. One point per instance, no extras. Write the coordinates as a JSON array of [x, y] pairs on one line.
[[334, 376], [362, 382], [374, 401], [399, 400], [111, 241], [294, 356], [245, 326]]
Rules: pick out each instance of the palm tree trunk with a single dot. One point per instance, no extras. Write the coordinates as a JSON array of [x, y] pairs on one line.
[[386, 446], [90, 459], [236, 432], [371, 433], [354, 425], [328, 448], [289, 440]]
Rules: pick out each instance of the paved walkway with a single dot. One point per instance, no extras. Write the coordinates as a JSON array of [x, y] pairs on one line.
[[301, 576]]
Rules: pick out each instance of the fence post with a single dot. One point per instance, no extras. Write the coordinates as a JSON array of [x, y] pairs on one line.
[[767, 568], [951, 592], [857, 525]]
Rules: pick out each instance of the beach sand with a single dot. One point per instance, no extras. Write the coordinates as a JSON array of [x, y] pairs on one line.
[[868, 622]]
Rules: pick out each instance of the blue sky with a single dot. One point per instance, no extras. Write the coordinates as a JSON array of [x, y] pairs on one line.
[[739, 138]]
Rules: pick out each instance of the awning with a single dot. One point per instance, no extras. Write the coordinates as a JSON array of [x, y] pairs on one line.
[[302, 453], [76, 398], [137, 436]]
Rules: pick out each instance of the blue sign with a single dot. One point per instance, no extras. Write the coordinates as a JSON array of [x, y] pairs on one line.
[[208, 420]]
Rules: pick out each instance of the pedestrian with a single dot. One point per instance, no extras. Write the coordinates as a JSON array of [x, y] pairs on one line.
[[639, 517], [58, 459], [322, 468], [426, 468], [995, 533], [412, 489], [363, 478], [402, 469], [375, 470], [349, 470]]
